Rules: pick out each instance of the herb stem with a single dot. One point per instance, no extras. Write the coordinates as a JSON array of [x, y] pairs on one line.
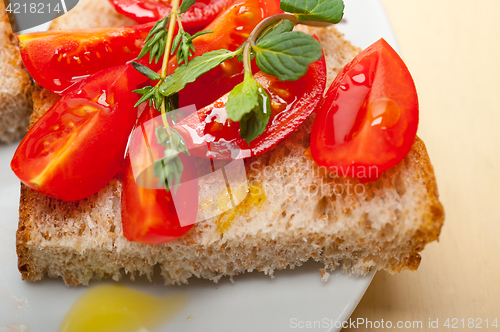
[[164, 114], [170, 37], [179, 22], [246, 59], [268, 22], [166, 55]]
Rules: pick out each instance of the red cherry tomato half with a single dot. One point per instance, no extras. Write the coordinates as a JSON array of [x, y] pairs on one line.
[[231, 29], [150, 215], [198, 16], [58, 60], [77, 147], [292, 103], [368, 121]]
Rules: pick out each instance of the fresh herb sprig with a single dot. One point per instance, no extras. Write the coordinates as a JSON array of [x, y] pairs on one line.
[[277, 50], [183, 43], [330, 11], [159, 43]]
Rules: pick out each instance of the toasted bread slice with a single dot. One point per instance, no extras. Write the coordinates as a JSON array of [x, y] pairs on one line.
[[15, 85], [294, 212]]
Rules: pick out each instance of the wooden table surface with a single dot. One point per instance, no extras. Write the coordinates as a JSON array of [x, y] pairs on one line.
[[452, 48]]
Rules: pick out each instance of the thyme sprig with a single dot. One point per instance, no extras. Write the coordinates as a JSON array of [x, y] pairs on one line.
[[183, 43], [161, 42], [277, 50], [156, 41]]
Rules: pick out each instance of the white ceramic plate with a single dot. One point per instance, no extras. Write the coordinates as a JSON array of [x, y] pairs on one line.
[[255, 302]]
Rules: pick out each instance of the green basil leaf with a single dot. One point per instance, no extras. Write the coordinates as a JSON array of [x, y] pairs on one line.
[[185, 5], [171, 138], [151, 45], [176, 42], [288, 55], [253, 124], [278, 29], [159, 54], [200, 33], [243, 98], [144, 51], [157, 27], [158, 98], [151, 74], [154, 50], [170, 155], [179, 167], [148, 41], [146, 92], [185, 52], [188, 73], [169, 169], [156, 38], [183, 43], [173, 101], [315, 10], [162, 136]]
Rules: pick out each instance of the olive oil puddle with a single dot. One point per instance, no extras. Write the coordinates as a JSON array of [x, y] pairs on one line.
[[118, 309]]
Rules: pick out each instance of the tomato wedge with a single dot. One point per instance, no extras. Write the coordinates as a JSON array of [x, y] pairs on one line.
[[240, 19], [198, 16], [292, 103], [368, 121], [58, 60], [155, 216], [77, 147]]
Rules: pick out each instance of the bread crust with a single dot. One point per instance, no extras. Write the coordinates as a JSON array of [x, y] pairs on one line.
[[384, 228], [55, 250], [15, 85]]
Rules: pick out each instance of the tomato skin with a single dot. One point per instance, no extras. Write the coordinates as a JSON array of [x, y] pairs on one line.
[[292, 103], [58, 60], [149, 215], [198, 16], [368, 120], [240, 18], [270, 7], [78, 145]]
